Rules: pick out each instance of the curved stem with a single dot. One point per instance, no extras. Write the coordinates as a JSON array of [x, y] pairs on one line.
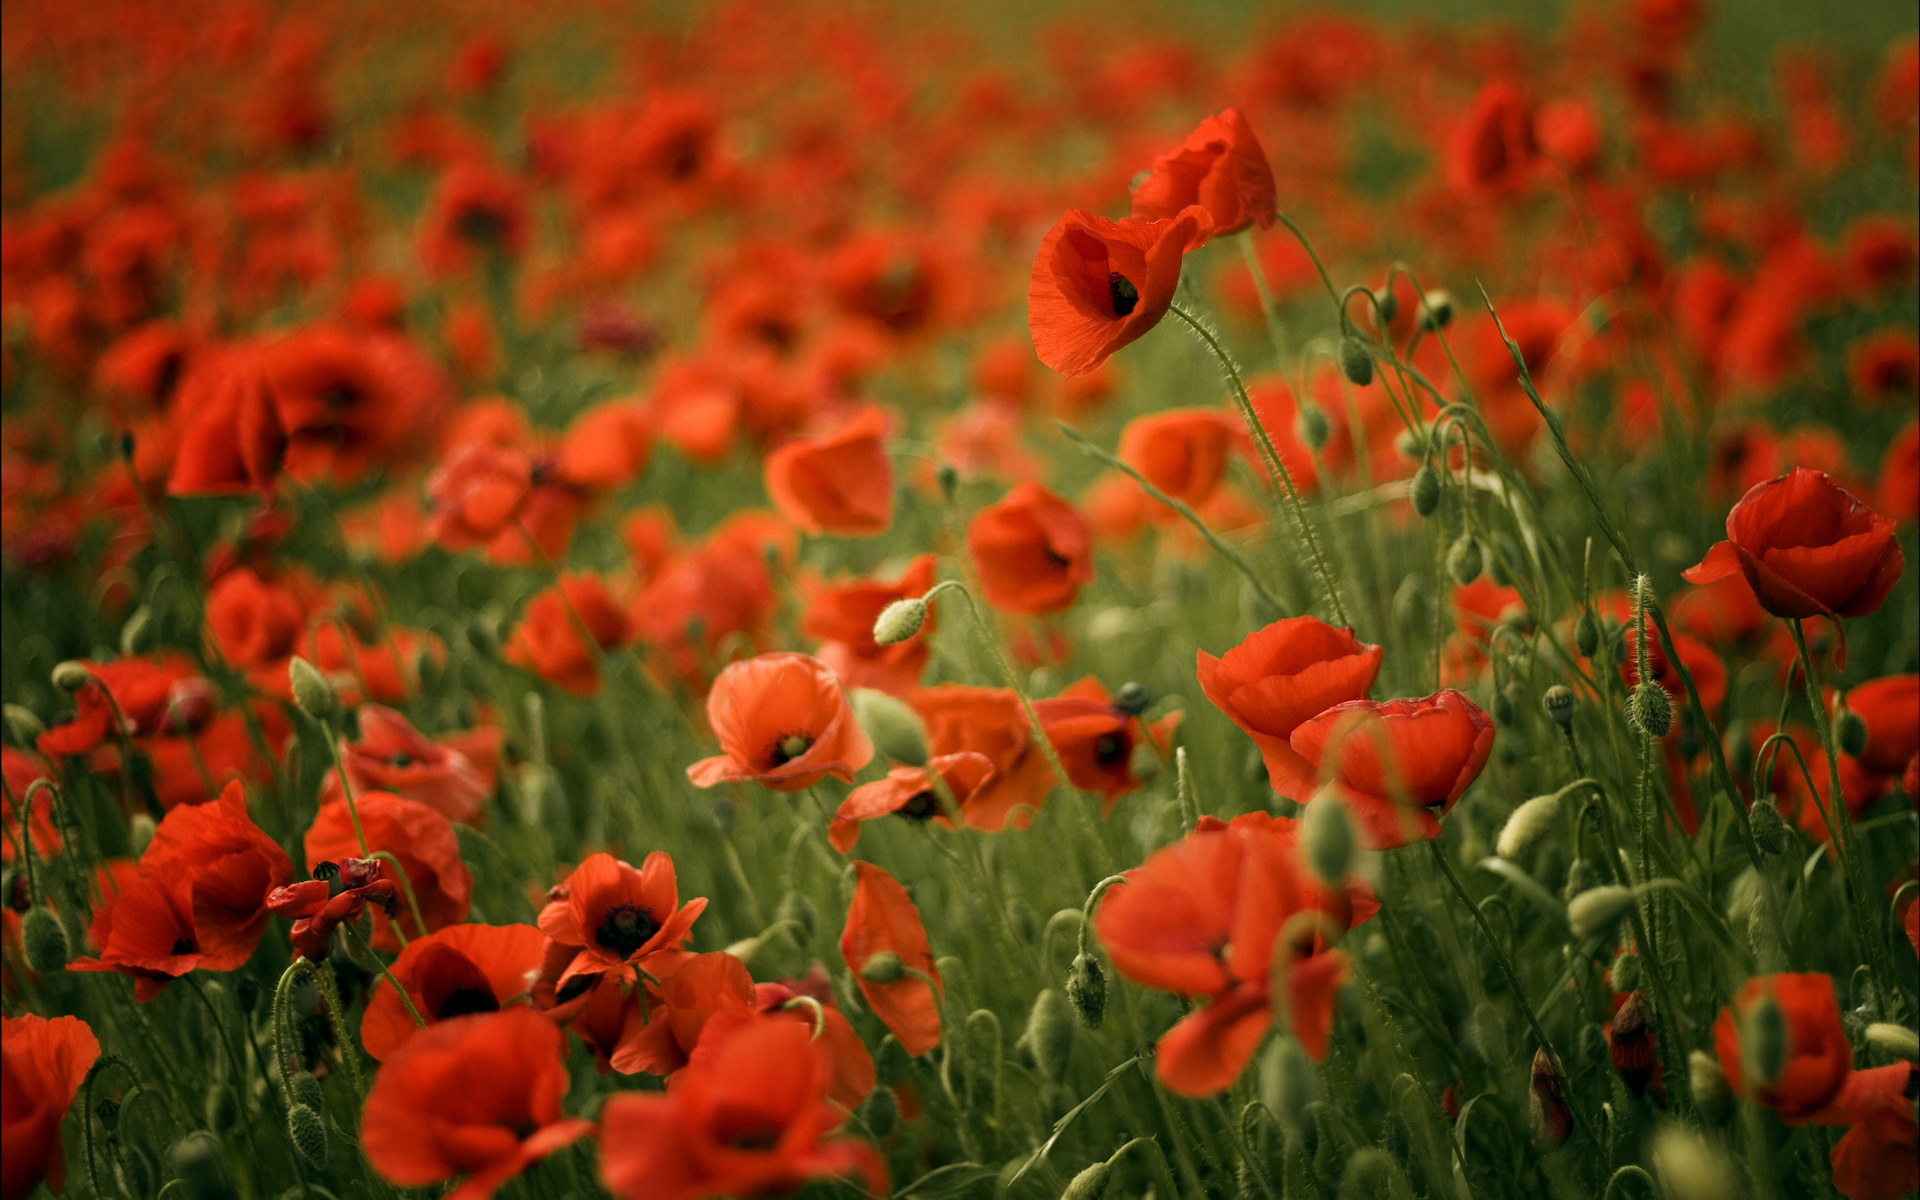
[[387, 975]]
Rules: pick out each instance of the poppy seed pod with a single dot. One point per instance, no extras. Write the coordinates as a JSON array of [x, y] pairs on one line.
[[895, 729], [1424, 491], [1313, 426], [1050, 1033], [1650, 710], [71, 676], [308, 1133], [1436, 309], [1770, 830], [883, 967], [1558, 701], [1528, 824], [1465, 558], [1850, 733], [1597, 910], [1089, 1184], [311, 691], [1328, 837], [45, 941], [1355, 363], [1086, 990], [1896, 1040], [1709, 1086], [899, 621]]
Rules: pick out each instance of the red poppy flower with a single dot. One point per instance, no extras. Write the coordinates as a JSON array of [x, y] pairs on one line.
[[1890, 706], [783, 721], [139, 688], [1399, 764], [748, 1116], [853, 1071], [452, 972], [1878, 252], [1094, 740], [1818, 1056], [478, 493], [393, 756], [661, 1040], [1702, 662], [1221, 168], [840, 482], [146, 931], [1808, 547], [991, 722], [420, 838], [233, 440], [882, 920], [345, 400], [620, 917], [1181, 451], [1493, 149], [20, 768], [255, 623], [842, 617], [1884, 368], [1898, 489], [230, 863], [42, 1065], [547, 640], [1098, 285], [607, 446], [1281, 676], [1032, 551], [910, 792], [476, 212], [1724, 613], [1876, 1159], [338, 893], [477, 1096]]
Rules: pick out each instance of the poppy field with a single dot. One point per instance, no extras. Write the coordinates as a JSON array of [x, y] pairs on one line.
[[801, 598]]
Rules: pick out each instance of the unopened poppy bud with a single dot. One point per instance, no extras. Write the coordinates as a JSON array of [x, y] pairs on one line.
[[133, 635], [1765, 1041], [484, 636], [1355, 363], [108, 1110], [1370, 1174], [1650, 711], [45, 941], [1547, 1102], [1503, 706], [1896, 1040], [1424, 491], [305, 1089], [1386, 305], [1850, 733], [71, 676], [222, 1107], [200, 1165], [883, 967], [1597, 910], [1708, 1083], [1465, 558], [1327, 837], [881, 1111], [1132, 699], [140, 831], [1558, 701], [1313, 426], [1287, 1084], [1586, 635], [895, 730], [1692, 1168], [1528, 824], [1581, 876], [311, 691], [949, 479], [1630, 1044], [1770, 830], [1627, 971], [899, 621], [24, 725], [1436, 309], [795, 907], [1050, 1033], [1086, 990], [308, 1133], [1089, 1184]]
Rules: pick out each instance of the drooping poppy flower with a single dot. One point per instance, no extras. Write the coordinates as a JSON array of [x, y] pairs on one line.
[[1095, 740], [1181, 451], [1877, 1158], [1098, 285], [1808, 547], [42, 1065], [1818, 1056], [547, 640], [452, 972], [231, 865], [138, 689], [748, 1116], [393, 756], [146, 931], [256, 622], [840, 482], [1032, 551], [911, 792], [619, 916], [783, 721], [1221, 168], [423, 841], [1399, 764], [477, 1096], [842, 617], [478, 493], [338, 893], [991, 722], [607, 446], [1281, 676], [1494, 149], [884, 925]]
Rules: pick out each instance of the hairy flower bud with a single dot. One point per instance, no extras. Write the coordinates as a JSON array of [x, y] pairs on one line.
[[880, 1111], [1597, 910], [1424, 491], [1770, 830], [1312, 425], [1850, 732], [1132, 699], [1355, 363], [1586, 635], [1089, 1184], [1465, 558], [1086, 990], [883, 967], [1287, 1083], [1558, 702], [1528, 824], [305, 1089], [1386, 305], [1708, 1083], [1627, 972], [899, 621], [895, 729], [24, 725], [1896, 1040], [308, 1133], [311, 691], [1630, 1044], [1650, 710], [1692, 1168], [1547, 1101], [1436, 309], [1580, 876], [1371, 1174], [1050, 1033], [45, 941], [1328, 838], [71, 676]]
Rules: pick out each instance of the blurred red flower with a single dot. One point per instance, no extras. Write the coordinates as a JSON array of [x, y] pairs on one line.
[[1399, 764], [1032, 551], [42, 1065], [451, 972], [1221, 168], [839, 482], [783, 721], [547, 640], [1280, 677]]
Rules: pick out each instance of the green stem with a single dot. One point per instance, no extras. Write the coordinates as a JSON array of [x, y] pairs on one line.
[[387, 975]]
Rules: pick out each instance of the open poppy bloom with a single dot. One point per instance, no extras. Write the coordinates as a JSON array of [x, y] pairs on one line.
[[1205, 918], [783, 721], [338, 892], [393, 756], [146, 931], [424, 843], [660, 1038], [1818, 1055], [619, 917], [840, 482], [1399, 764], [230, 863], [883, 925], [477, 494], [748, 1116], [853, 1071], [1181, 451], [606, 447], [42, 1065], [547, 640], [451, 972], [139, 688], [1877, 1158], [1032, 551], [1098, 285], [1282, 676], [1890, 706], [991, 722], [1221, 168], [1494, 149], [842, 616], [911, 792], [477, 1096], [1808, 547], [1095, 740]]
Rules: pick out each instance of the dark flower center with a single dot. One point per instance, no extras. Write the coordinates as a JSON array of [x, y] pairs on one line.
[[1124, 295], [573, 987], [921, 807], [761, 1139], [1109, 748], [402, 759], [340, 395], [184, 946], [790, 747], [481, 226], [626, 928], [462, 1001]]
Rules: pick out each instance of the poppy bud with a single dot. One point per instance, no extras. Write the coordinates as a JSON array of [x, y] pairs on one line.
[[1738, 745], [1896, 1040], [1650, 711], [1371, 1174], [1586, 635], [308, 1133], [891, 1059], [949, 481], [1630, 1044], [222, 1107], [1132, 699], [1386, 305], [133, 635], [895, 729], [1424, 491], [1355, 363], [24, 725], [883, 967], [71, 676], [45, 941], [311, 691], [1765, 1041], [1547, 1102], [1287, 1084], [200, 1166], [1089, 1184], [1627, 970], [1501, 557], [483, 634], [1770, 830], [1558, 701], [140, 831], [1850, 733], [1690, 1167], [304, 1087], [1050, 1033], [1086, 989], [1528, 824], [899, 621], [1597, 910], [1465, 558], [1581, 876], [1327, 838], [1313, 426], [881, 1111], [1436, 309], [797, 908], [1708, 1083]]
